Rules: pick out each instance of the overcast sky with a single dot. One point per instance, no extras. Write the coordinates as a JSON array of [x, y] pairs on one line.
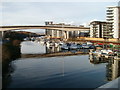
[[36, 13]]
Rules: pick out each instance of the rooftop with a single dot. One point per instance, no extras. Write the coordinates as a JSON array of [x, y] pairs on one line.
[[98, 22], [113, 7]]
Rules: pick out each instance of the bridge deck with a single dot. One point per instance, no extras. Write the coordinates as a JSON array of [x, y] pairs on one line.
[[7, 28]]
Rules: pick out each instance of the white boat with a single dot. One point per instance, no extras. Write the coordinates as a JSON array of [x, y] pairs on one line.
[[85, 46], [65, 47], [61, 43], [42, 42], [98, 52], [106, 56], [89, 43], [106, 51], [56, 44], [47, 44], [73, 46]]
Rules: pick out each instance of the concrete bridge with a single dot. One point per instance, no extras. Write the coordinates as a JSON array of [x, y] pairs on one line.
[[64, 28], [52, 31]]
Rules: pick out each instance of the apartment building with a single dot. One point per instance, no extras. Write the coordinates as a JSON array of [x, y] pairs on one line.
[[99, 29], [113, 17]]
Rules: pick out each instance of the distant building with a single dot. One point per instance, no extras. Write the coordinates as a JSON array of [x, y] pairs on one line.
[[58, 24], [65, 34], [113, 17], [48, 23], [99, 29]]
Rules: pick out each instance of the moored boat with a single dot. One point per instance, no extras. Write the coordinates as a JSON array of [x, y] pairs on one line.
[[64, 47], [73, 46]]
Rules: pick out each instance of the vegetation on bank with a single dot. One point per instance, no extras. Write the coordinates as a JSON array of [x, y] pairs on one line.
[[19, 35]]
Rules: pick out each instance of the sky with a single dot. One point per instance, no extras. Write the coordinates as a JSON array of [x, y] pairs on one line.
[[36, 13]]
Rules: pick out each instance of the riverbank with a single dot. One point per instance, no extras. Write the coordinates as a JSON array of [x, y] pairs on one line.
[[53, 54]]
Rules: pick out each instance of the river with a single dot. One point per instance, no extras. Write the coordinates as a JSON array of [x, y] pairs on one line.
[[75, 71]]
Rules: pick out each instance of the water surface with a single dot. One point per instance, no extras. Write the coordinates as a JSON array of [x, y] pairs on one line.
[[56, 72]]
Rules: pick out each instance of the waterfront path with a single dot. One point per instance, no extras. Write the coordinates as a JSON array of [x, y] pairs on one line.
[[111, 85]]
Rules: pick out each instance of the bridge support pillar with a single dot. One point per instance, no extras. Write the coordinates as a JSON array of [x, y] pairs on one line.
[[58, 35], [1, 34], [67, 35]]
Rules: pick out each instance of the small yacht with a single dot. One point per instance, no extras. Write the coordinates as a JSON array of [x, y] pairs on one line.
[[56, 44], [85, 46], [42, 42], [64, 47], [47, 44], [61, 43], [79, 46], [106, 51], [73, 46], [89, 43], [98, 52]]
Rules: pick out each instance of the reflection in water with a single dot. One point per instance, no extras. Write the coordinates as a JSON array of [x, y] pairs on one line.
[[30, 47], [74, 72], [112, 66], [10, 52], [53, 49], [96, 59], [112, 69]]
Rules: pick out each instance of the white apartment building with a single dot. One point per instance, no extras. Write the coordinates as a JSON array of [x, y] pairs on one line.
[[99, 29], [113, 16]]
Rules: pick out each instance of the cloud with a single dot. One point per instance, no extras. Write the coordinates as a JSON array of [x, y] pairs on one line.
[[59, 0], [34, 13]]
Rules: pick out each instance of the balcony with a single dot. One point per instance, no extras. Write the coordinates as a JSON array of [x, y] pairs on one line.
[[110, 16], [110, 19], [95, 33], [109, 10]]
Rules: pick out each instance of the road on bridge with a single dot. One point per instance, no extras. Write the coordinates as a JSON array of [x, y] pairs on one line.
[[65, 28]]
